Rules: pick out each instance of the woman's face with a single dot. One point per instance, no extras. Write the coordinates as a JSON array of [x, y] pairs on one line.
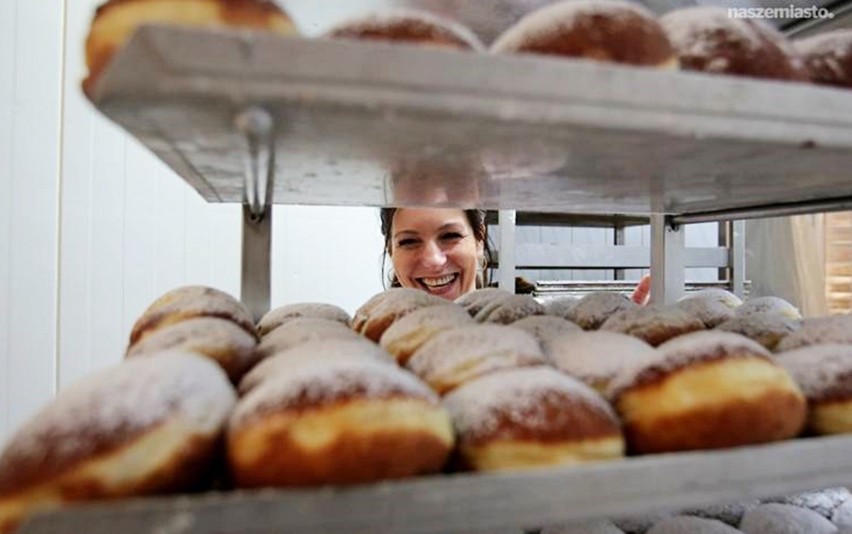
[[435, 250]]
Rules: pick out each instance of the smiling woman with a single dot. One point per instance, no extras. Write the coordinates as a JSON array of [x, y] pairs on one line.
[[441, 251]]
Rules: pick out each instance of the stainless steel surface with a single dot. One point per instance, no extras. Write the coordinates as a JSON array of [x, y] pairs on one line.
[[484, 502], [508, 257], [534, 218], [667, 260], [738, 262], [258, 128], [378, 124], [255, 282], [547, 256], [767, 211]]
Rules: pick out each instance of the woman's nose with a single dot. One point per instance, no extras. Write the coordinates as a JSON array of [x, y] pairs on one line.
[[433, 255]]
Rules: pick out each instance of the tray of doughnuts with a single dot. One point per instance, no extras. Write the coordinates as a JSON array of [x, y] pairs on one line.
[[492, 413], [594, 107]]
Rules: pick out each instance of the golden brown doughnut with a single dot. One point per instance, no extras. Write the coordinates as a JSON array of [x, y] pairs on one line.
[[477, 299], [224, 342], [819, 330], [408, 25], [707, 390], [302, 330], [824, 372], [404, 337], [453, 357], [337, 422], [653, 324], [344, 348], [378, 313], [828, 57], [531, 416], [116, 20], [768, 329], [596, 357], [317, 310], [509, 310], [768, 305], [602, 30], [187, 302], [545, 327], [706, 39], [149, 425], [595, 308]]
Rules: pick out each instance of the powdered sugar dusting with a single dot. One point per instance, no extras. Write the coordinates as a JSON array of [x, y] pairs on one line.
[[765, 328], [824, 502], [708, 310], [319, 383], [828, 56], [592, 527], [819, 330], [545, 327], [653, 324], [478, 407], [683, 524], [785, 519], [764, 305], [479, 298], [282, 314], [423, 23], [432, 319], [301, 330], [714, 293], [595, 308], [597, 356], [509, 310], [820, 370], [560, 306], [119, 402]]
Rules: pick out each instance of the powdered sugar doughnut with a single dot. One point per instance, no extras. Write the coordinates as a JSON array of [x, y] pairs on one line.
[[224, 342], [842, 515], [730, 514], [765, 305], [318, 310], [546, 327], [595, 308], [560, 306], [149, 425], [374, 317], [477, 299], [596, 357], [768, 329], [684, 524], [455, 356], [300, 330], [191, 301], [706, 39], [714, 293], [337, 422], [824, 502], [350, 348], [819, 330], [602, 30], [652, 324], [707, 390], [591, 527], [407, 335], [708, 310], [824, 373], [509, 310], [531, 416], [785, 519], [641, 523], [407, 25], [828, 57]]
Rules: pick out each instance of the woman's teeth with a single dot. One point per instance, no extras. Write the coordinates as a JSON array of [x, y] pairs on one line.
[[438, 282]]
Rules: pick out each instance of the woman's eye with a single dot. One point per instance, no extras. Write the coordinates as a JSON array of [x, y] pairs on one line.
[[452, 236], [406, 242]]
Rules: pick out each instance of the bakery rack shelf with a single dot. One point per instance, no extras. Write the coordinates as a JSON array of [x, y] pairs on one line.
[[495, 503]]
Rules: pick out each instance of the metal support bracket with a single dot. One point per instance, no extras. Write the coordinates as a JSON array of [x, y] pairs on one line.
[[258, 129], [668, 277]]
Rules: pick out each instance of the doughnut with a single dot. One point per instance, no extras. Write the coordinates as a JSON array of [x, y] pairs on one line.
[[824, 502], [190, 301], [378, 313], [509, 310], [824, 373], [596, 357], [710, 311], [224, 342], [714, 293], [149, 425], [842, 515], [453, 357], [318, 310], [356, 348], [545, 327], [819, 330], [684, 524], [765, 328], [706, 39], [762, 305], [774, 518], [603, 30], [408, 25], [592, 527], [641, 523], [301, 330], [596, 307], [405, 336], [531, 416], [560, 306], [115, 22], [477, 299], [730, 514], [337, 422], [653, 324], [707, 390], [827, 57]]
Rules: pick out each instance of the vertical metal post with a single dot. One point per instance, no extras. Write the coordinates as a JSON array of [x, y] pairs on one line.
[[737, 258], [258, 130], [618, 240], [506, 220], [667, 260], [724, 240]]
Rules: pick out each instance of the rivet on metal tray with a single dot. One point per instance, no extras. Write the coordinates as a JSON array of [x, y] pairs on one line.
[[258, 129]]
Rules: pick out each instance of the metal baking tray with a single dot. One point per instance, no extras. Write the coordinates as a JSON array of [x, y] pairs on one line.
[[358, 123], [486, 503]]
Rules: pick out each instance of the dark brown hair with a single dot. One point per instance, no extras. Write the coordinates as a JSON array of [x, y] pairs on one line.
[[476, 219]]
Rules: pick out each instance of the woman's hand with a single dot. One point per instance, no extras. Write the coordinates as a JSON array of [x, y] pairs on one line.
[[642, 292]]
